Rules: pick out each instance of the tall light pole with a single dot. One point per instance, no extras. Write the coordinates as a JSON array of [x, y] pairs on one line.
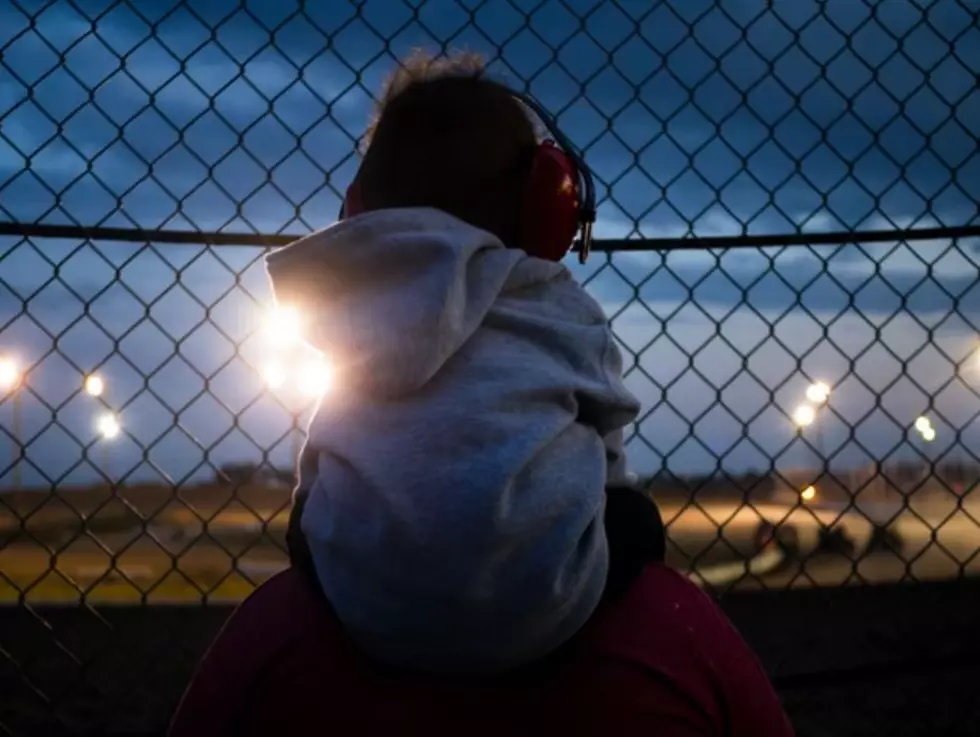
[[108, 427], [10, 383], [311, 380], [283, 330], [283, 327], [314, 379], [817, 394], [274, 375], [805, 413], [94, 385], [924, 427], [804, 416], [106, 424]]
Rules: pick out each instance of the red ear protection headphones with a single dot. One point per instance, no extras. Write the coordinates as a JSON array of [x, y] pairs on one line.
[[559, 197]]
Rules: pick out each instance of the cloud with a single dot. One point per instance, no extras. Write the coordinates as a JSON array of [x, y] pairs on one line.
[[688, 147], [876, 280]]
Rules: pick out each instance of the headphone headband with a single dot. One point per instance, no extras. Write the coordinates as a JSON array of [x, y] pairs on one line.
[[587, 205]]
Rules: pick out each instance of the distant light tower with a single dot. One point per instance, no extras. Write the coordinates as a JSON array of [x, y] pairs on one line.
[[315, 379], [283, 326], [817, 394], [109, 427], [274, 375], [285, 373], [804, 416], [94, 385], [924, 427], [10, 375], [11, 382]]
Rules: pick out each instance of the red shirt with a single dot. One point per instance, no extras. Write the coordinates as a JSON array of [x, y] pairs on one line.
[[662, 661]]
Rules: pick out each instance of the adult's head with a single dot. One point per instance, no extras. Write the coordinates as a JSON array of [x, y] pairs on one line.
[[447, 136]]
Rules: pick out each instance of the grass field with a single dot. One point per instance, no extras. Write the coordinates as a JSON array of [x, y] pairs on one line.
[[133, 568], [54, 589]]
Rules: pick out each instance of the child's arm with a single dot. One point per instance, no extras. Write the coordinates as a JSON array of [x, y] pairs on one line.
[[609, 407], [617, 473]]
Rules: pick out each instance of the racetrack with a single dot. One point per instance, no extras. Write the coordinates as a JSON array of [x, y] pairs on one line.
[[939, 535], [175, 563]]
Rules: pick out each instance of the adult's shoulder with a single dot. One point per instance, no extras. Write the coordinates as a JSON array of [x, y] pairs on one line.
[[660, 659], [665, 629]]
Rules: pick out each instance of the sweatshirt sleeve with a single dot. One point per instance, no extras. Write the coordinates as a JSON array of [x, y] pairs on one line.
[[610, 407]]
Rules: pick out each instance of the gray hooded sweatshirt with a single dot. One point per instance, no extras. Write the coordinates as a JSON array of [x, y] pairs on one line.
[[455, 474]]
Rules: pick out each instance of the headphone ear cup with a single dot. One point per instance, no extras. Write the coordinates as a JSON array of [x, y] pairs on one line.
[[550, 214]]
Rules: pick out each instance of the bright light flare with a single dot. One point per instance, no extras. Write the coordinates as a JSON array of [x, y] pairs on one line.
[[804, 415], [929, 434], [808, 494], [274, 375], [315, 379], [9, 374], [923, 424], [283, 326], [108, 426], [818, 392], [94, 385]]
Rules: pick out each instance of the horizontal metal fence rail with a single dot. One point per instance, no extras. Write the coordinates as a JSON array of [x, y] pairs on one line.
[[602, 245], [788, 250]]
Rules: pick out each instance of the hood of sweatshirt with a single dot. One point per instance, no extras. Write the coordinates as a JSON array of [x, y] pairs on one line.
[[391, 295]]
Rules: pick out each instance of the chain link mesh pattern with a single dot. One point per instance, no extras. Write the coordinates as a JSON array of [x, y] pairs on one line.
[[810, 408]]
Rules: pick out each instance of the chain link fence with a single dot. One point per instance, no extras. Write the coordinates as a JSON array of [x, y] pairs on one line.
[[789, 252]]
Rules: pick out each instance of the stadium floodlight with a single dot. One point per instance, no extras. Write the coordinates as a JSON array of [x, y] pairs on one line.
[[108, 426], [315, 379], [10, 374], [94, 385], [283, 326], [274, 375], [818, 393], [804, 415]]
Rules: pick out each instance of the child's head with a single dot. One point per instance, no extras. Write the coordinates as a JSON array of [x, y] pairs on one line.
[[445, 136]]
